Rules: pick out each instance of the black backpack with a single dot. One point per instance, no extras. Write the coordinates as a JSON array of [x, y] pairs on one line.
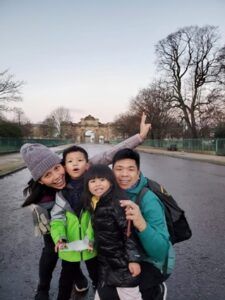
[[177, 224]]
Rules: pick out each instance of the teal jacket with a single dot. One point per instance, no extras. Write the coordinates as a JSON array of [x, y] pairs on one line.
[[66, 225], [155, 238]]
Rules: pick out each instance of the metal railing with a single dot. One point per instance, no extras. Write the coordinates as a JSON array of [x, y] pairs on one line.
[[8, 145], [207, 146], [210, 146]]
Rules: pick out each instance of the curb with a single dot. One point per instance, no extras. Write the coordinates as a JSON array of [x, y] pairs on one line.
[[12, 171]]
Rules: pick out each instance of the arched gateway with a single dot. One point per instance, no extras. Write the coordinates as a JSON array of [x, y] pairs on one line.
[[89, 130]]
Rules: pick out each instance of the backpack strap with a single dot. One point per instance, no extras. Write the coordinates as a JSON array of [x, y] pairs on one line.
[[141, 194], [152, 186]]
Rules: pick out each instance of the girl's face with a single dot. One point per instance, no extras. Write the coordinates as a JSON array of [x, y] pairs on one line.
[[98, 186], [76, 164], [54, 177]]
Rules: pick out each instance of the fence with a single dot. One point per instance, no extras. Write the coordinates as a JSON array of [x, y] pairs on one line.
[[13, 144], [209, 146]]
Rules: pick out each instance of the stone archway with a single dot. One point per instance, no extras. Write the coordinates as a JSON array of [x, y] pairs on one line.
[[89, 129], [101, 133]]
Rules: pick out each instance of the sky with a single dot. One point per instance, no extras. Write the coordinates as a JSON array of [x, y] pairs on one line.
[[91, 57]]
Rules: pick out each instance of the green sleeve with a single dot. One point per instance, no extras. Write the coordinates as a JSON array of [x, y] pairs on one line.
[[58, 230]]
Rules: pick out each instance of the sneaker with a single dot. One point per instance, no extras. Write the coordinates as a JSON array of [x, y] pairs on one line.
[[163, 291], [41, 295], [82, 285]]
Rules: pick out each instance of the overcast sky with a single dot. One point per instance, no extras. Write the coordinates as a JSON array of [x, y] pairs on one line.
[[91, 56]]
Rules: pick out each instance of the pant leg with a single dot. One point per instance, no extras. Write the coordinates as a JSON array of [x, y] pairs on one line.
[[150, 280], [47, 263], [78, 274], [132, 293], [92, 267], [66, 280], [106, 293]]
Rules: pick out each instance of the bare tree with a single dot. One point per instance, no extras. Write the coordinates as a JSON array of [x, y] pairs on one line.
[[10, 90], [19, 116], [221, 61], [189, 59], [153, 101], [126, 124], [210, 119], [49, 128], [60, 116]]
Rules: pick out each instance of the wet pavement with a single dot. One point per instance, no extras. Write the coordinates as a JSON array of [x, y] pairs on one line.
[[197, 186]]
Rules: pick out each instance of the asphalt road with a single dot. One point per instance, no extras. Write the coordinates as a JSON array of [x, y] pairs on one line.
[[200, 268]]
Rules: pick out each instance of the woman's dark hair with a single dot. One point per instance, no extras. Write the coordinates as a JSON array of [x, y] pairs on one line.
[[99, 171], [34, 191]]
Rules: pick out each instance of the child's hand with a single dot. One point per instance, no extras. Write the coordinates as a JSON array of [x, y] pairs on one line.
[[60, 245], [134, 268], [90, 247]]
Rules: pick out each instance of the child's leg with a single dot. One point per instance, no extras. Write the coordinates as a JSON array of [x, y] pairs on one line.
[[81, 282], [132, 293], [67, 278], [92, 267]]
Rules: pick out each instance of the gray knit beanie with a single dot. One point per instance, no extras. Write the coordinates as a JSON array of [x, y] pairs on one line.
[[38, 159]]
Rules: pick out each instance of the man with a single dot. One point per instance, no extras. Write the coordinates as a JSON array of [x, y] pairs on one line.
[[150, 225]]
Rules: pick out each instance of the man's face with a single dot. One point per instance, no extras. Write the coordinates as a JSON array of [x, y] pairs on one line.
[[76, 164], [126, 172], [54, 177]]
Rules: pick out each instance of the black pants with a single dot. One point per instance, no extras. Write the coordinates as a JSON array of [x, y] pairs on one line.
[[151, 277], [71, 273], [47, 263]]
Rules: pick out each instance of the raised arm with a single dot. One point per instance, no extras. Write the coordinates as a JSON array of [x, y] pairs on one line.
[[132, 142]]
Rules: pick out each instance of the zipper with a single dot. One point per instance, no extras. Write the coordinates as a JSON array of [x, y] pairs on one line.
[[79, 219]]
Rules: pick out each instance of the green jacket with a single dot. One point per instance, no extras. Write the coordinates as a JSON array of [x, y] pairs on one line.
[[66, 225], [155, 238]]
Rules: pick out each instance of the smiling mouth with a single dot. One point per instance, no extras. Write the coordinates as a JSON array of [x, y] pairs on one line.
[[98, 190], [60, 181], [124, 181]]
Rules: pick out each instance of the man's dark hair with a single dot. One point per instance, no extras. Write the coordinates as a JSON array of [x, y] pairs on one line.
[[74, 149], [127, 153]]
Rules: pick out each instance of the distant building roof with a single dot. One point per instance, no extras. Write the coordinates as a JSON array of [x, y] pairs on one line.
[[89, 117]]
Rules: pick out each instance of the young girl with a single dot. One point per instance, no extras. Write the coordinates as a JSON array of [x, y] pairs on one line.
[[118, 255]]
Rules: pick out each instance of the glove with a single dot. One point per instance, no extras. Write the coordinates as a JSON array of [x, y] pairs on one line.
[[41, 220]]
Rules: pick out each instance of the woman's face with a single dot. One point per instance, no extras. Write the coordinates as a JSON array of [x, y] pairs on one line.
[[54, 177]]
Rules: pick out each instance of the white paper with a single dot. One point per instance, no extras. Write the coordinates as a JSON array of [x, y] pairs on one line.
[[78, 245]]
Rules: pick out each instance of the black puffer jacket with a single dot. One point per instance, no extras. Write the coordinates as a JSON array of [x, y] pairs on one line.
[[114, 249]]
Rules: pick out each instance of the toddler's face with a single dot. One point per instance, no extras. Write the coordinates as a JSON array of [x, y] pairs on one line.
[[98, 186], [76, 164]]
